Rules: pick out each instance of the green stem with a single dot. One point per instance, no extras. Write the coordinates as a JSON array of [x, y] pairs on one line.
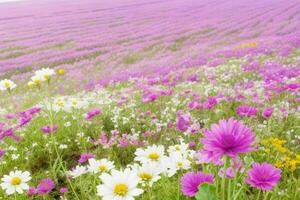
[[258, 196], [224, 178], [266, 195]]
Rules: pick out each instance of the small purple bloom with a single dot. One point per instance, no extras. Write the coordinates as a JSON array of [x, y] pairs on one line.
[[191, 180], [31, 191], [2, 152], [149, 97], [90, 115], [45, 186], [267, 112], [85, 156], [263, 176], [183, 121], [63, 190], [246, 111], [49, 129]]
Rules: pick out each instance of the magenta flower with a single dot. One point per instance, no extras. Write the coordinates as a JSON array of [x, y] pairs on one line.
[[149, 97], [183, 121], [210, 103], [246, 111], [263, 176], [31, 191], [228, 137], [63, 190], [2, 152], [267, 112], [49, 129], [85, 156], [45, 186], [191, 180], [90, 115]]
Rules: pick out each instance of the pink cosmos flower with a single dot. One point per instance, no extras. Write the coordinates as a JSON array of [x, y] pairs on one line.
[[149, 97], [194, 105], [85, 156], [9, 133], [49, 129], [263, 176], [246, 111], [210, 103], [267, 112], [45, 186], [2, 152], [90, 115], [63, 190], [183, 121], [191, 181], [228, 137], [31, 191]]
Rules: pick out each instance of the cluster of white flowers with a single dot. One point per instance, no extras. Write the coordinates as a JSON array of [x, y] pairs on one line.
[[41, 75], [152, 162]]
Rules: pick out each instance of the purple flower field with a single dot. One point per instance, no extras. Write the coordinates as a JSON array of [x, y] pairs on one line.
[[150, 99]]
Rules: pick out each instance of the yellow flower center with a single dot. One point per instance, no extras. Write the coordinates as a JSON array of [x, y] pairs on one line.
[[61, 72], [7, 84], [153, 156], [180, 164], [121, 189], [15, 181], [37, 82], [46, 76], [145, 176], [102, 168], [177, 148]]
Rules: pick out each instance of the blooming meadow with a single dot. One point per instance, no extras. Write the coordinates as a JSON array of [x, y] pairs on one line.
[[150, 100]]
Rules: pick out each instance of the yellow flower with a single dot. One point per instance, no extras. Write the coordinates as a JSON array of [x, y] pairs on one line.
[[278, 164], [61, 72]]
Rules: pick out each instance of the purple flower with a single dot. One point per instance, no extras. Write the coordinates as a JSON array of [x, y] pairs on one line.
[[191, 180], [246, 111], [85, 156], [63, 190], [31, 191], [192, 145], [194, 105], [45, 186], [183, 121], [263, 176], [149, 97], [267, 112], [49, 129], [210, 103], [2, 152], [9, 133], [228, 137], [90, 115]]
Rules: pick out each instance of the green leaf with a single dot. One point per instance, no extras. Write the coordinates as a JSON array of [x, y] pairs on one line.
[[206, 192]]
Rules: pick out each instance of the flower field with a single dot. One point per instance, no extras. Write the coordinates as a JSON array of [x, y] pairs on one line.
[[150, 100]]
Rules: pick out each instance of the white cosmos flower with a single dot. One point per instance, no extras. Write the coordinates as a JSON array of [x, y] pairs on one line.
[[182, 148], [45, 74], [147, 173], [77, 171], [175, 162], [41, 76], [150, 154], [100, 166], [15, 182], [7, 85], [120, 185]]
